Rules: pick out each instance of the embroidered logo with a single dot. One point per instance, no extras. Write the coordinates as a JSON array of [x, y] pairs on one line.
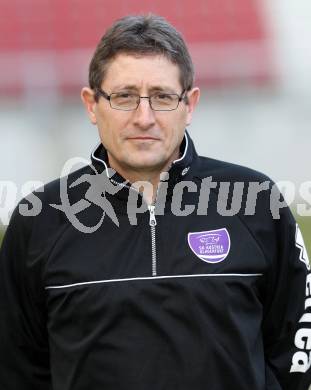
[[303, 256], [212, 246]]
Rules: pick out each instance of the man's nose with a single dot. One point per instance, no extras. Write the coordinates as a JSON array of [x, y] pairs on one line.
[[144, 116]]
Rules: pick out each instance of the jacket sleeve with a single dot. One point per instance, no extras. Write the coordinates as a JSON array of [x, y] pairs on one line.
[[24, 353], [287, 314]]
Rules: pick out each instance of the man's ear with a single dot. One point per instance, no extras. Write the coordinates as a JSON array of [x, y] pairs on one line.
[[87, 96], [193, 99]]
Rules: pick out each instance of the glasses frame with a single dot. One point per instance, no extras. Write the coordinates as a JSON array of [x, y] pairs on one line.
[[108, 97]]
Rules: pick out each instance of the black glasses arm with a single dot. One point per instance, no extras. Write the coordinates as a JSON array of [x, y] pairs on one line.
[[103, 94]]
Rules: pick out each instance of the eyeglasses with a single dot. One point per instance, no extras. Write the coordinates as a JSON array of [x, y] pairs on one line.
[[129, 101]]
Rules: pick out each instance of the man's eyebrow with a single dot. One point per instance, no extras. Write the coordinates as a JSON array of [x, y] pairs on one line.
[[125, 86], [162, 88], [154, 88]]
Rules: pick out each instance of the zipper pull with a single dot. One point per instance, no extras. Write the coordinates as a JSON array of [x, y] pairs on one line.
[[152, 220]]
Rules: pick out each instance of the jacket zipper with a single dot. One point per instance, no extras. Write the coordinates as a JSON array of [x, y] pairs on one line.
[[152, 223]]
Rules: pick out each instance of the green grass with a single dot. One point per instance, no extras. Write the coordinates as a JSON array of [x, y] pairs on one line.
[[305, 227], [1, 235]]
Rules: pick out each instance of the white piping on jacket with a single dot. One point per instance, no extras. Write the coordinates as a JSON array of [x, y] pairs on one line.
[[100, 160], [185, 151], [147, 278]]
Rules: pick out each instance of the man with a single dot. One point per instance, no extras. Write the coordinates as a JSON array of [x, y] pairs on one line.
[[171, 290]]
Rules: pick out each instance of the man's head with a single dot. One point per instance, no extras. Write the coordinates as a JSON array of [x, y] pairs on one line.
[[141, 56], [143, 36]]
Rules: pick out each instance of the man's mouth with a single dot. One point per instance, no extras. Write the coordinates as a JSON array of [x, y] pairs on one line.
[[144, 138]]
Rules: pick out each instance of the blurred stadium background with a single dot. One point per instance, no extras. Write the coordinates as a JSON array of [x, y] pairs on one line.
[[252, 60]]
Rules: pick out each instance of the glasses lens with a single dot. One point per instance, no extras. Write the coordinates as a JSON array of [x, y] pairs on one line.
[[124, 101], [164, 101]]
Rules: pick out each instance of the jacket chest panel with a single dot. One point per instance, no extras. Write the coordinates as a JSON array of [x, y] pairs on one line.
[[112, 274], [220, 245]]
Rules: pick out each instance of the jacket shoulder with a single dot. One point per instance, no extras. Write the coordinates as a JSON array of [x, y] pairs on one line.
[[222, 171], [38, 220]]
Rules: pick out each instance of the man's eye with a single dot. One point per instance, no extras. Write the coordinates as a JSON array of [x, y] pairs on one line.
[[163, 96], [124, 95]]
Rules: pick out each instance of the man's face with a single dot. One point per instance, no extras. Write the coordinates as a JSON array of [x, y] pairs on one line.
[[142, 140]]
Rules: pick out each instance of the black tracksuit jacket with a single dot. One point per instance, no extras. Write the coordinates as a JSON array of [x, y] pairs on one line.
[[135, 307]]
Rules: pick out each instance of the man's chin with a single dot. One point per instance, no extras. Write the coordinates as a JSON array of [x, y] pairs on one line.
[[148, 164]]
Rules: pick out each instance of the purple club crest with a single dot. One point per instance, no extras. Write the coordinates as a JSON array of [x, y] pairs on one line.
[[212, 246]]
